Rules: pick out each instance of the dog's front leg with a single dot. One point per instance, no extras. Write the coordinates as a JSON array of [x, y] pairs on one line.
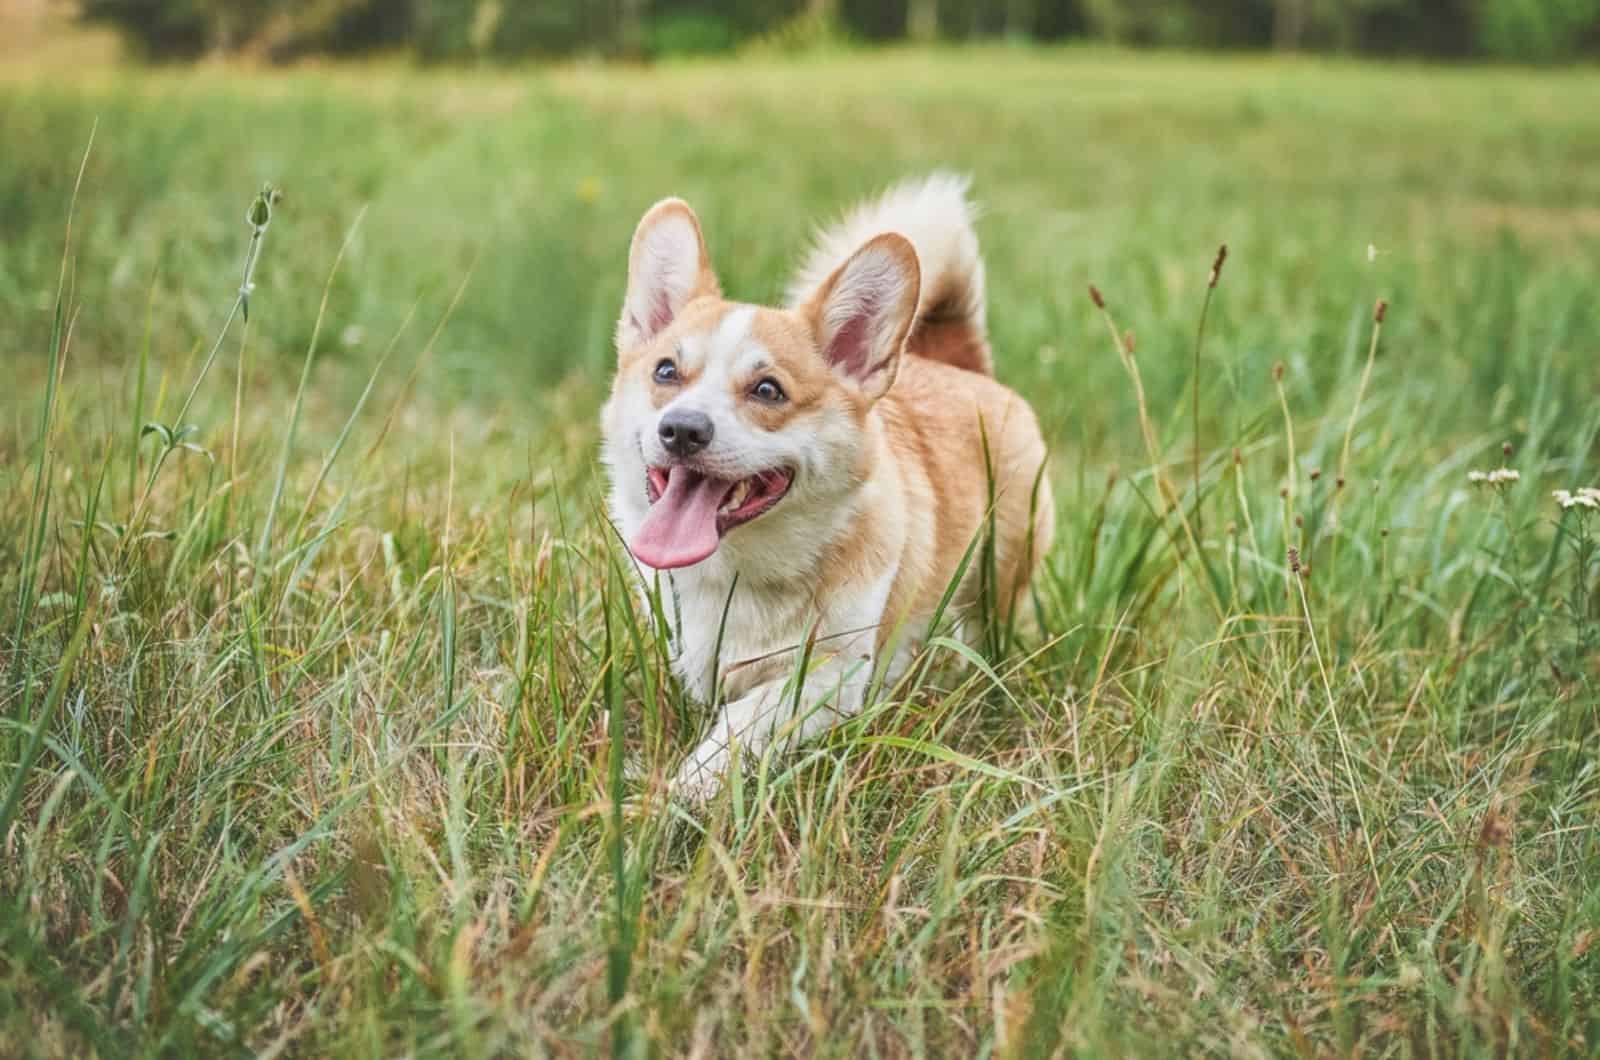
[[790, 708]]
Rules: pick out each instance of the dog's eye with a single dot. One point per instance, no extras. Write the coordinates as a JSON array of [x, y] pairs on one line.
[[666, 371], [768, 390]]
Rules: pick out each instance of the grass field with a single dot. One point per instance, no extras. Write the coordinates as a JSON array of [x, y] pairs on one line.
[[305, 716]]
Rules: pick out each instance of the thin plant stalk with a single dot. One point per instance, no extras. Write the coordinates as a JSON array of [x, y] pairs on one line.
[[1199, 339], [1343, 480], [1378, 312], [259, 217], [1131, 365], [39, 502], [1287, 512], [1124, 347]]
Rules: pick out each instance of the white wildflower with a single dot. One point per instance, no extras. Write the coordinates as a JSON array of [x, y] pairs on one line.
[[1504, 474], [1586, 497], [1477, 478], [1372, 253]]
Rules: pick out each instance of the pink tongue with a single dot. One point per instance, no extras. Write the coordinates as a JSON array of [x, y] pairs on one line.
[[681, 527]]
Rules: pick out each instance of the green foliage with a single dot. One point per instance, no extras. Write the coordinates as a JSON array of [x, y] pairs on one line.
[[334, 723], [1143, 21], [810, 31], [444, 29], [548, 29], [450, 30], [688, 33], [1538, 30]]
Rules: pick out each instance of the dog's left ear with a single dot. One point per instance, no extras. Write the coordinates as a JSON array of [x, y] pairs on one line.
[[668, 266], [864, 311]]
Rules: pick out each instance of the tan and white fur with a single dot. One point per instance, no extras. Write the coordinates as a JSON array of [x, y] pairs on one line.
[[816, 470]]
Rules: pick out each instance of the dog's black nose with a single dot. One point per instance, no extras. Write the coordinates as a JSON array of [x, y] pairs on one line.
[[685, 432]]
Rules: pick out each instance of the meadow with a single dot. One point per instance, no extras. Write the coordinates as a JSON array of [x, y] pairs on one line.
[[332, 724]]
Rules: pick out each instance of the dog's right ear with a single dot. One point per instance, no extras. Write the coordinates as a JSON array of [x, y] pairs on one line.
[[667, 268]]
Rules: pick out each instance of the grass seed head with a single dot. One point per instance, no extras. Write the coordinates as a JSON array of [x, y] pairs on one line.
[[1216, 266]]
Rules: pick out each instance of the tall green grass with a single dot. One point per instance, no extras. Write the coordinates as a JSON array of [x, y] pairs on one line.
[[333, 721]]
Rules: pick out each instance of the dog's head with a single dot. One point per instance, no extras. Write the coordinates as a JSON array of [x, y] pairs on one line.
[[728, 418]]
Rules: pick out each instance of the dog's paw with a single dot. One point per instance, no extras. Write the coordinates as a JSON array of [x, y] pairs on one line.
[[700, 777]]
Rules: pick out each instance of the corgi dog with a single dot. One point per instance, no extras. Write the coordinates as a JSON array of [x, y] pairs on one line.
[[804, 481]]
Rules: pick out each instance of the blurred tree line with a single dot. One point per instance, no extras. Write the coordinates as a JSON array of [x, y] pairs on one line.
[[456, 30]]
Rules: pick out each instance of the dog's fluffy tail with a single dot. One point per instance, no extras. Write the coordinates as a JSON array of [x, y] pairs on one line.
[[935, 215]]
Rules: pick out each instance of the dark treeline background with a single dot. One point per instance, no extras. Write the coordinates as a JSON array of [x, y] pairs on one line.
[[471, 30]]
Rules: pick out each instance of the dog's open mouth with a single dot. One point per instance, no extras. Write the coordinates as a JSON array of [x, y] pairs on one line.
[[690, 511]]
